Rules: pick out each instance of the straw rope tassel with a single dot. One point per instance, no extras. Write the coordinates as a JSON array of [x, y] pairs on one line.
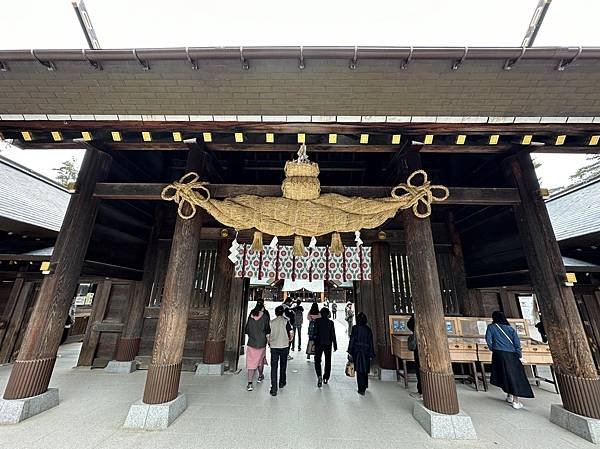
[[337, 246], [257, 242], [299, 250]]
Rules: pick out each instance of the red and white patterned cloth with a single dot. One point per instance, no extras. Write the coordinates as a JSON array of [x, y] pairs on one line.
[[319, 264]]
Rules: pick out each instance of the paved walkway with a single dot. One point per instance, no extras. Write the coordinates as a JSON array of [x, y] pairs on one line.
[[222, 414]]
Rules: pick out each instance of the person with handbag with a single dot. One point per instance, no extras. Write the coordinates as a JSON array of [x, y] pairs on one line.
[[324, 340], [361, 351], [507, 370], [412, 346], [312, 316]]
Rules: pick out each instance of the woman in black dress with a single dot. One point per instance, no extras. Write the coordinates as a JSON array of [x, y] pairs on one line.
[[360, 350], [507, 370]]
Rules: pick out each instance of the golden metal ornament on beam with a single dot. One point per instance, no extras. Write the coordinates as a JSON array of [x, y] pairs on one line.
[[302, 210]]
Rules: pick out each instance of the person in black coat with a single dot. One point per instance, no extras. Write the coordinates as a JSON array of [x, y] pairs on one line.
[[360, 351], [324, 332]]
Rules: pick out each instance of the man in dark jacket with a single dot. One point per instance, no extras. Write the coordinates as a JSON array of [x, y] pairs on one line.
[[324, 332]]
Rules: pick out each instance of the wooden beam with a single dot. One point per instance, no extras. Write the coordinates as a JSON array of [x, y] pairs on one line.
[[308, 128], [458, 195], [292, 148], [458, 149]]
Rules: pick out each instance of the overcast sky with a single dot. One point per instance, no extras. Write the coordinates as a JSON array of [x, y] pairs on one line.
[[159, 23]]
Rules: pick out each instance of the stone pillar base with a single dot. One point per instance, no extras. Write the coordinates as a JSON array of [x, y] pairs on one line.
[[13, 411], [582, 426], [388, 375], [445, 427], [210, 369], [117, 367], [155, 416]]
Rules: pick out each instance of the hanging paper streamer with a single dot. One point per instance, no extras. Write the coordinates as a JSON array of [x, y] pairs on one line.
[[354, 264], [234, 250], [357, 238]]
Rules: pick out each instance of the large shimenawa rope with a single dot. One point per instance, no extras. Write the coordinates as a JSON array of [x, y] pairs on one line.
[[328, 213]]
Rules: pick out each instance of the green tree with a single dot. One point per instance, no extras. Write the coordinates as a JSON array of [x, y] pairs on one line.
[[66, 174], [587, 171]]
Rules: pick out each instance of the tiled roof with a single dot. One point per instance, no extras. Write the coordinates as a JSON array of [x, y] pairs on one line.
[[28, 197], [576, 211]]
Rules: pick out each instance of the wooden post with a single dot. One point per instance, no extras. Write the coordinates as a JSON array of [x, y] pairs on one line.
[[31, 372], [90, 341], [23, 294], [129, 342], [439, 390], [466, 301], [162, 381], [508, 300], [573, 361], [214, 346], [235, 316], [383, 302], [10, 306]]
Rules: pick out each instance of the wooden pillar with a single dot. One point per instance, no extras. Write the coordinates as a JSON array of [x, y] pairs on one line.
[[214, 346], [162, 381], [31, 372], [129, 342], [19, 301], [576, 374], [234, 318], [508, 300], [383, 302], [11, 303], [466, 301], [92, 337], [439, 390]]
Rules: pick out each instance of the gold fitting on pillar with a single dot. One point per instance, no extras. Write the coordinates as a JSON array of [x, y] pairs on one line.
[[381, 235], [224, 233]]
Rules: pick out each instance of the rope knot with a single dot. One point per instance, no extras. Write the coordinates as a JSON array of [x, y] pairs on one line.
[[420, 194], [188, 190]]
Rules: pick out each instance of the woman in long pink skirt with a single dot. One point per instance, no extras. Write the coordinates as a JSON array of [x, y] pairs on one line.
[[257, 329]]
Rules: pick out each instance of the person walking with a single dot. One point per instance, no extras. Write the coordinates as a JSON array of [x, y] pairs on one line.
[[289, 314], [324, 339], [298, 320], [279, 340], [412, 346], [507, 370], [257, 329], [313, 315], [334, 309], [361, 351], [349, 317]]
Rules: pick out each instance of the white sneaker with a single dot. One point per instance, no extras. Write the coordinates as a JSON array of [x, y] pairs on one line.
[[249, 387], [509, 398], [517, 405]]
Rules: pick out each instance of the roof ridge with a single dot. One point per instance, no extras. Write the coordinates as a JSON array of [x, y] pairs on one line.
[[6, 161], [574, 188]]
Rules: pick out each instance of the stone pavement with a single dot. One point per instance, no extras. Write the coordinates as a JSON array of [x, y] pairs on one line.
[[222, 414]]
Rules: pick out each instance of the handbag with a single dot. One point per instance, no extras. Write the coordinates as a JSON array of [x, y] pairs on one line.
[[509, 339], [310, 348], [350, 369]]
